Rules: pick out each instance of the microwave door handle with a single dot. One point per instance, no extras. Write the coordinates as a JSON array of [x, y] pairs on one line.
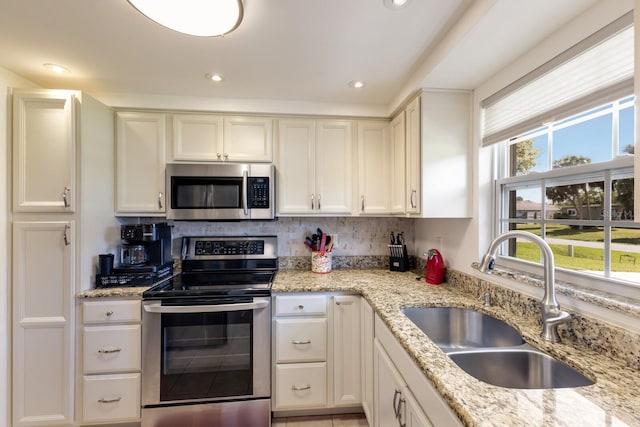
[[158, 308], [245, 196]]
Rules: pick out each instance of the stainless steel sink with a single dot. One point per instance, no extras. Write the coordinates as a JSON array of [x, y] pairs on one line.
[[491, 350], [519, 368], [453, 328]]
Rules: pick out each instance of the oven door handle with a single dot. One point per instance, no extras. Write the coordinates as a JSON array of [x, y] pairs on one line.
[[245, 196], [158, 308]]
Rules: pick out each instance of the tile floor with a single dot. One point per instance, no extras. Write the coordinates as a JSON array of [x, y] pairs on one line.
[[346, 420]]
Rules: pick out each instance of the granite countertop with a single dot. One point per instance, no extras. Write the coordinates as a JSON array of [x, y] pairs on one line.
[[614, 399]]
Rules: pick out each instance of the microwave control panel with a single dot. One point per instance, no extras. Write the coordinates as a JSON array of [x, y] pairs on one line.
[[258, 193]]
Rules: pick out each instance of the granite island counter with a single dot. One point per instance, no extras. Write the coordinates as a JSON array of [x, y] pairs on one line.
[[614, 399]]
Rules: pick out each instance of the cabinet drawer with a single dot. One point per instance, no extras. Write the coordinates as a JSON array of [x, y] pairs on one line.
[[111, 348], [111, 311], [301, 340], [108, 398], [301, 305], [301, 385]]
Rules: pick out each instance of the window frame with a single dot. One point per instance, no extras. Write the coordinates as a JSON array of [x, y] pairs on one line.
[[621, 167]]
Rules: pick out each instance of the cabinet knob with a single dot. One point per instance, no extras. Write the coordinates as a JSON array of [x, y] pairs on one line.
[[219, 156], [226, 156], [301, 307], [109, 313]]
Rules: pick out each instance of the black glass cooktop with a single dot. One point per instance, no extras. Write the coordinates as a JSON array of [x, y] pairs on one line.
[[217, 283]]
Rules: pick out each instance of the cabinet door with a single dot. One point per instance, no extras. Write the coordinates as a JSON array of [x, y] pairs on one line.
[[334, 167], [140, 160], [197, 137], [411, 411], [398, 171], [295, 167], [248, 139], [413, 157], [366, 370], [43, 356], [44, 151], [346, 350], [388, 385], [373, 168]]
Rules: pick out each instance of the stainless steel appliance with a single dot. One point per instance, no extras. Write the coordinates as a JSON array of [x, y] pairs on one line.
[[225, 191], [206, 335], [145, 256]]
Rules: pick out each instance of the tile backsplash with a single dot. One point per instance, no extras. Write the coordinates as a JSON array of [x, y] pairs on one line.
[[355, 236]]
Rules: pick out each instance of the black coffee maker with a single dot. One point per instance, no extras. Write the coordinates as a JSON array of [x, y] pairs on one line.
[[145, 256]]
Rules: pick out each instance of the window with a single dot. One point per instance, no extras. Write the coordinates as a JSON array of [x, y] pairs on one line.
[[570, 180], [570, 183]]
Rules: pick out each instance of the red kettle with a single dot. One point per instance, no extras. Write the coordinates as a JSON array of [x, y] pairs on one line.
[[434, 273]]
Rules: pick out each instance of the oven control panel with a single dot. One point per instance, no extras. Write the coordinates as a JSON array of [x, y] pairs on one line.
[[229, 247], [225, 248]]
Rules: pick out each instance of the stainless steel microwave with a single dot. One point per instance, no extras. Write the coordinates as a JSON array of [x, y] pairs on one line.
[[218, 192]]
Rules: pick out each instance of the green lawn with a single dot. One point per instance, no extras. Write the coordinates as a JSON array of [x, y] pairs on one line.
[[583, 258]]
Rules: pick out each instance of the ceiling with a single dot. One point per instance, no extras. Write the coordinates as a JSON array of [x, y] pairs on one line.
[[284, 50]]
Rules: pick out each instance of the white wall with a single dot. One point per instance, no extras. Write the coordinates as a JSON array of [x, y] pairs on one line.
[[465, 240], [7, 80]]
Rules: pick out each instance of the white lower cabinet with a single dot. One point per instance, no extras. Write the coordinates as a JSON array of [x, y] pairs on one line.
[[111, 354], [397, 382], [316, 350], [366, 367], [110, 397]]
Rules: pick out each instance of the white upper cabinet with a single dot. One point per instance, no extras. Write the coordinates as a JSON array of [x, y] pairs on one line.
[[248, 139], [140, 163], [374, 151], [314, 163], [413, 163], [197, 137], [446, 158], [44, 147], [398, 172], [217, 138]]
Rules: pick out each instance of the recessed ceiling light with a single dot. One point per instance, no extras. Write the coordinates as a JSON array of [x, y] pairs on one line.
[[204, 18], [356, 84], [396, 4], [213, 77], [55, 68]]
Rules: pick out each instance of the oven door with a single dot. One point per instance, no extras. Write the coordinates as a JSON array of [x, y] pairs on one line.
[[205, 350]]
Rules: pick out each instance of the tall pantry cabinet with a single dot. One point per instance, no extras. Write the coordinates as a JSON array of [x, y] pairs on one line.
[[62, 173]]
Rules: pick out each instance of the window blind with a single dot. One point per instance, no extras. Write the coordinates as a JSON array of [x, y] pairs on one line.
[[593, 72]]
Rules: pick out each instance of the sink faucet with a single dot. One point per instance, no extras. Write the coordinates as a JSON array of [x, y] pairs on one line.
[[552, 316]]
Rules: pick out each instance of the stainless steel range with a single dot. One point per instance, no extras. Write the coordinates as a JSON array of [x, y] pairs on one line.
[[206, 336]]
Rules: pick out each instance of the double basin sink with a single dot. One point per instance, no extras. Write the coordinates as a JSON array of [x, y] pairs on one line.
[[491, 350]]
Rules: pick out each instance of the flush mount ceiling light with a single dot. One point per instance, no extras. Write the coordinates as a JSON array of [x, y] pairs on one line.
[[55, 68], [356, 84], [204, 18], [395, 4]]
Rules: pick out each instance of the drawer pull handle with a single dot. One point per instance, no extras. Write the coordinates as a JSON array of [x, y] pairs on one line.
[[301, 387], [103, 400], [109, 313], [115, 350], [296, 342]]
